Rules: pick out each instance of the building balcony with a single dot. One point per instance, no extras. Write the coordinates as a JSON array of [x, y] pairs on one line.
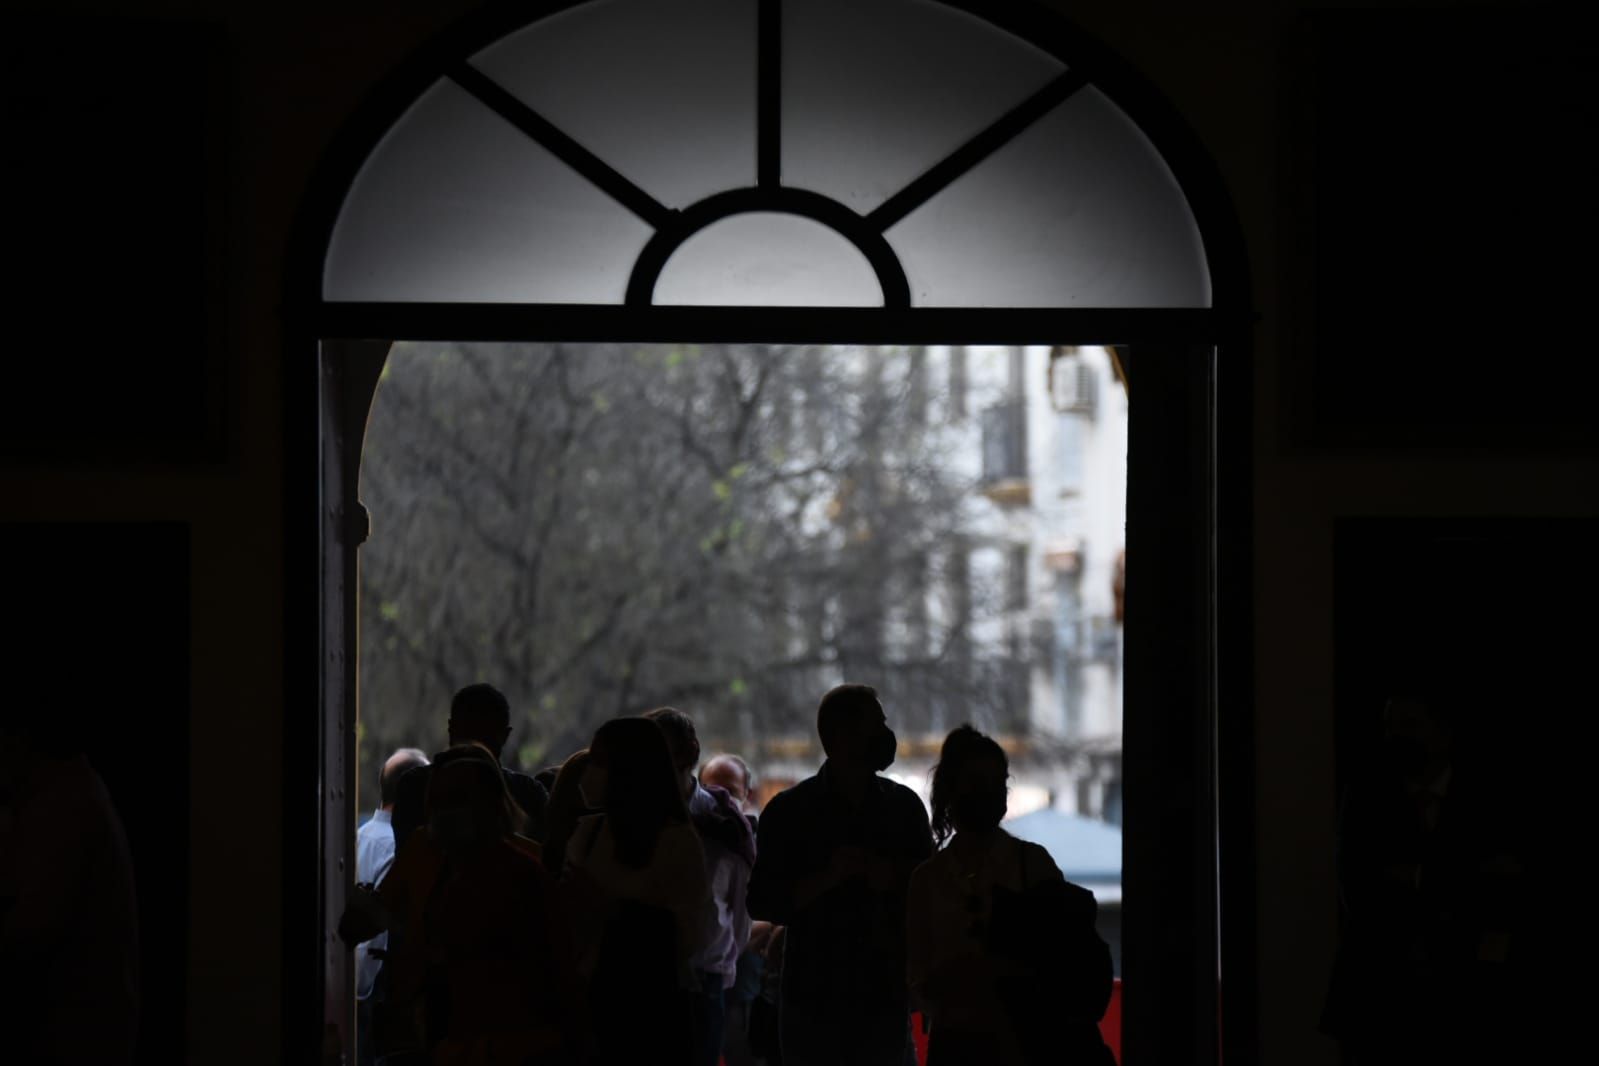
[[1004, 479]]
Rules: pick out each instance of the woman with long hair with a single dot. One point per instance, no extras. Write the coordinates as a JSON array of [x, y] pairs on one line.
[[636, 875], [1003, 957], [483, 965]]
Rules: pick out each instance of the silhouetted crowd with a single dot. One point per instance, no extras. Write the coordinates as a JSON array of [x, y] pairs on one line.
[[624, 907]]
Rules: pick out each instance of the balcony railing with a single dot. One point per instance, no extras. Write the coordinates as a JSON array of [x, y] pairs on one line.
[[1005, 452]]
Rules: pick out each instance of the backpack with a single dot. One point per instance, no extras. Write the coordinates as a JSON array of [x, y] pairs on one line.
[[1055, 1009]]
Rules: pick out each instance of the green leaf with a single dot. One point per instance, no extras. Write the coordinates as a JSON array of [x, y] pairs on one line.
[[388, 610], [737, 686]]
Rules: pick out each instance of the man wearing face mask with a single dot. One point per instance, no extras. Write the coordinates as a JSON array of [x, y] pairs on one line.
[[834, 860]]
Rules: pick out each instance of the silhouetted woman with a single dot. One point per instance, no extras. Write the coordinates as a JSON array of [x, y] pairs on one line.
[[642, 904], [484, 968], [1003, 958]]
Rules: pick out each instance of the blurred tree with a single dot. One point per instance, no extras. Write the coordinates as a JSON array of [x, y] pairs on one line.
[[598, 529]]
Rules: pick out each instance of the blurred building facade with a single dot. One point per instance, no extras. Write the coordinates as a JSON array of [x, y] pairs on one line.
[[1020, 610]]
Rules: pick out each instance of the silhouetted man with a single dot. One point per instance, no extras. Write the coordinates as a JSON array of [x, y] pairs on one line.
[[732, 774], [835, 855], [479, 714], [69, 923], [374, 853]]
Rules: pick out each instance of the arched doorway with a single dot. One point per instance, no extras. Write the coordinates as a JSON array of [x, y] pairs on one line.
[[813, 171]]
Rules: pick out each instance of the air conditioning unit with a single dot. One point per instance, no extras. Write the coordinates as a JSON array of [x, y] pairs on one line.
[[1072, 386]]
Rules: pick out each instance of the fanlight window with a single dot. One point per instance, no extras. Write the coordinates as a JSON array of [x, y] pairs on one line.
[[823, 153]]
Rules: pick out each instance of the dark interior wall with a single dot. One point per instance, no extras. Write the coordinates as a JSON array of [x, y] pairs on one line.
[[281, 79], [1450, 381], [110, 434], [95, 624]]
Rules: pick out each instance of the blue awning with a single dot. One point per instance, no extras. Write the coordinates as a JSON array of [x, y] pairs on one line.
[[1086, 850]]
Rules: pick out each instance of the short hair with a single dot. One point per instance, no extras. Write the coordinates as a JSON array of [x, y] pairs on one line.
[[841, 704], [736, 760], [480, 712], [402, 762], [681, 736]]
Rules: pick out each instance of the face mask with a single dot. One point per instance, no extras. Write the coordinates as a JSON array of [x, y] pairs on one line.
[[979, 810], [880, 750], [452, 827]]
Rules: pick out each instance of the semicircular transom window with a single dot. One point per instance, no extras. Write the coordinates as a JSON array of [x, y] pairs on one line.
[[823, 153]]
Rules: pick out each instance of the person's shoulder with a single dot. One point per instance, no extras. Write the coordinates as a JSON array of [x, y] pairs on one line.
[[516, 779], [794, 797], [900, 792], [528, 792], [932, 867], [1037, 861], [904, 798]]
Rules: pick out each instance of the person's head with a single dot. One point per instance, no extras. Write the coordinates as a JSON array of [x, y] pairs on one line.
[[480, 714], [969, 784], [682, 741], [1417, 737], [732, 773], [468, 804], [854, 730], [630, 776], [395, 767], [565, 807]]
